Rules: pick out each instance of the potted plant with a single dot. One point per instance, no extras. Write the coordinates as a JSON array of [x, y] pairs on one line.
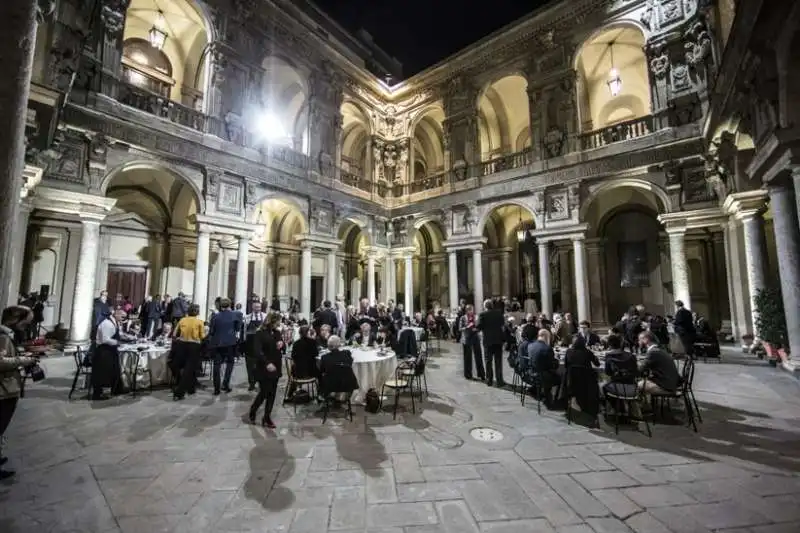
[[771, 322]]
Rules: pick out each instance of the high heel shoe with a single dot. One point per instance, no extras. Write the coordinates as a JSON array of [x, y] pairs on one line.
[[252, 417], [268, 423]]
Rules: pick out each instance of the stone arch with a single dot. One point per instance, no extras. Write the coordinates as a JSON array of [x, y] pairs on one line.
[[490, 208], [662, 202], [156, 166], [427, 138], [618, 46], [348, 222], [430, 232], [280, 218], [503, 113], [357, 131]]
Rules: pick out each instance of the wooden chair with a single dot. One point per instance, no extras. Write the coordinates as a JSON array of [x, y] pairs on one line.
[[398, 384]]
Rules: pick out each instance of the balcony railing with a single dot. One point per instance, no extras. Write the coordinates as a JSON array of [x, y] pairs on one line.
[[623, 131], [162, 107]]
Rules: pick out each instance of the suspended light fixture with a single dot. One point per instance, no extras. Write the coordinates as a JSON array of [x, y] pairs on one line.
[[614, 81], [260, 223], [522, 233], [156, 34]]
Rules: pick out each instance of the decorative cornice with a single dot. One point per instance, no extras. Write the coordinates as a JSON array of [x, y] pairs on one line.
[[85, 206]]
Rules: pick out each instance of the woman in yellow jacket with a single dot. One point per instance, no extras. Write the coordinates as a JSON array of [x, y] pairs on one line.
[[189, 335]]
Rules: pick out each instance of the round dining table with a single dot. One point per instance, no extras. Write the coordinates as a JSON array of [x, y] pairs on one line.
[[372, 369], [152, 357]]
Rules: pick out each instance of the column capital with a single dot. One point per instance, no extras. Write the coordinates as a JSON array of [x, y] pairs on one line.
[[746, 205], [464, 243], [694, 219]]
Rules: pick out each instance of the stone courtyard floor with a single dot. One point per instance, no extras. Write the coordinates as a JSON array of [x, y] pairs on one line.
[[153, 465]]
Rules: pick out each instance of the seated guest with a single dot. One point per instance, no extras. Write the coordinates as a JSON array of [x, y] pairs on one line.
[[166, 333], [659, 368], [621, 370], [545, 364], [562, 332], [336, 369], [418, 321], [304, 356], [579, 355], [384, 337], [324, 335], [579, 363], [590, 338], [365, 337]]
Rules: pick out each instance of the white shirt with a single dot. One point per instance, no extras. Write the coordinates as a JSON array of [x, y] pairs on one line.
[[106, 331]]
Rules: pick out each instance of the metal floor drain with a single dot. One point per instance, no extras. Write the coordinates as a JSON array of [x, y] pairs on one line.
[[486, 434]]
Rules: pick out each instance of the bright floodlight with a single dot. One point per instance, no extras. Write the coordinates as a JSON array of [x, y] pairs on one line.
[[270, 127]]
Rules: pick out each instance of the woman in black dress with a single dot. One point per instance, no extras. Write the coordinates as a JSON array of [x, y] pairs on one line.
[[267, 368]]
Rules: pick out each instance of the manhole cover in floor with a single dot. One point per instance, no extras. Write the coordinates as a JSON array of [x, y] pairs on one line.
[[486, 434]]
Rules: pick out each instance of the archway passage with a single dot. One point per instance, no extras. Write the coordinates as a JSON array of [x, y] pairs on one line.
[[352, 281], [429, 269], [355, 141], [281, 116], [503, 118], [630, 265], [427, 154], [510, 261], [148, 245], [613, 83], [164, 50]]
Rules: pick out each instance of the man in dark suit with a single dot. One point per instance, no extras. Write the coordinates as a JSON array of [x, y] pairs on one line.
[[490, 323], [589, 337], [684, 327], [326, 317], [223, 335]]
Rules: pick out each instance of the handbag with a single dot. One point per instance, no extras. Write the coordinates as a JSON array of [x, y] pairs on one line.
[[372, 402]]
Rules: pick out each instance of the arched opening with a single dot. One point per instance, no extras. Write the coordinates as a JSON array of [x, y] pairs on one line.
[[164, 49], [427, 154], [282, 116], [429, 268], [632, 266], [613, 84], [355, 141], [353, 276], [503, 117], [279, 224], [147, 243], [510, 259]]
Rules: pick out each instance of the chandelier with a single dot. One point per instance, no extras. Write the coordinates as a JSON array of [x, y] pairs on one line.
[[156, 34], [614, 81], [522, 234]]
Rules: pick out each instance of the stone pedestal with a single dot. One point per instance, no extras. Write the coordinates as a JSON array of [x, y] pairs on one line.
[[17, 40], [201, 267], [680, 267], [83, 299], [787, 242], [242, 270], [544, 279]]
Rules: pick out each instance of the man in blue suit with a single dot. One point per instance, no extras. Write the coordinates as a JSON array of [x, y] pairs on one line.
[[223, 338]]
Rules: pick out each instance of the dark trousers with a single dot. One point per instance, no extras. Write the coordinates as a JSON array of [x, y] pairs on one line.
[[7, 408], [227, 355], [473, 350], [267, 389], [494, 353], [190, 361], [249, 360]]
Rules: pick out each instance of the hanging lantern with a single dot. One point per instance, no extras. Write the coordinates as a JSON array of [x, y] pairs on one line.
[[521, 235], [156, 34], [614, 81]]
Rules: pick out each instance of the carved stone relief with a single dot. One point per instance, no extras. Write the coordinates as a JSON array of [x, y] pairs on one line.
[[321, 216], [230, 197], [557, 206]]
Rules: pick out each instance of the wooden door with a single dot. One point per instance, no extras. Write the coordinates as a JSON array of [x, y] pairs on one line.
[[130, 282], [316, 291], [251, 271]]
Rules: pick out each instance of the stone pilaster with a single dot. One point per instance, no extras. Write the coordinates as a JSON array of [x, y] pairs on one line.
[[680, 267], [18, 252], [17, 39], [271, 271], [83, 300], [201, 269], [787, 242], [452, 276], [305, 280], [409, 281], [581, 278], [544, 279], [333, 274], [477, 270], [371, 277], [242, 270], [597, 282]]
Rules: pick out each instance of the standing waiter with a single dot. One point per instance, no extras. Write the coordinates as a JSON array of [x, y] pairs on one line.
[[252, 323]]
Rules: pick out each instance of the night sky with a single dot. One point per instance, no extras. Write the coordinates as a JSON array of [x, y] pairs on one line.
[[421, 33]]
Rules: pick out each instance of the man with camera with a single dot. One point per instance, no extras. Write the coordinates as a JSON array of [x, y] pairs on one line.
[[14, 319]]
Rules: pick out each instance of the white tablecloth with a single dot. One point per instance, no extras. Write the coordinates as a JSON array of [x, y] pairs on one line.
[[371, 369], [153, 358], [417, 332]]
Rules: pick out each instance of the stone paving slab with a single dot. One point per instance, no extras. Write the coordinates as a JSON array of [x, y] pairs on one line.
[[149, 464]]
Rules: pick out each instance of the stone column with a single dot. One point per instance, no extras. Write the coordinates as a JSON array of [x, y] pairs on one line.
[[201, 266], [83, 298], [422, 281], [566, 279], [333, 275], [739, 302], [371, 278], [755, 254], [452, 276], [581, 279], [242, 270], [391, 265], [787, 242], [595, 264], [269, 290], [544, 279], [680, 267], [18, 252], [17, 41], [505, 268], [477, 272], [409, 288], [305, 280]]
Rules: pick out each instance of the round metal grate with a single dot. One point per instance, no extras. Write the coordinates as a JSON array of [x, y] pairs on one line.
[[486, 435]]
